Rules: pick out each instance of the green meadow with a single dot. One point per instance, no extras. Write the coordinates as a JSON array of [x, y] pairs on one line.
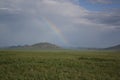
[[59, 65]]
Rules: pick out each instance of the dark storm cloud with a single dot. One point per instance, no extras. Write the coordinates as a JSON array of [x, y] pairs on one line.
[[23, 22], [17, 27], [14, 20], [105, 1], [9, 18], [107, 18]]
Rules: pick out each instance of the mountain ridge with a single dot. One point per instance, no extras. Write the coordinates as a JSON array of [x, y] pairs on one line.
[[116, 47], [42, 45], [46, 45]]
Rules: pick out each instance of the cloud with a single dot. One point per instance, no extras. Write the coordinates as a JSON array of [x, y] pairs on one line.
[[105, 1], [101, 1], [107, 18], [22, 22]]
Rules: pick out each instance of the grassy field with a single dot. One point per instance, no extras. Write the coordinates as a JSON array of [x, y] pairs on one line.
[[59, 65]]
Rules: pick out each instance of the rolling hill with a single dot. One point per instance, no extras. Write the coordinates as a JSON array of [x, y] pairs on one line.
[[117, 47], [44, 45]]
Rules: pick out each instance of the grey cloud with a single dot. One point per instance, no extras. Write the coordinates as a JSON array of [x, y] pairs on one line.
[[22, 28], [105, 1], [22, 22], [107, 18]]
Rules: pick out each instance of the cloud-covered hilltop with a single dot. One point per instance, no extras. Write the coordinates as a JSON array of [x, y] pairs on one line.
[[63, 22]]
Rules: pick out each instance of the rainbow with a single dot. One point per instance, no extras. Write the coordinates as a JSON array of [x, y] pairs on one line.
[[56, 30]]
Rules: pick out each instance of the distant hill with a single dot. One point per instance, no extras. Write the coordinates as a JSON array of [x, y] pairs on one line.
[[44, 45], [117, 47]]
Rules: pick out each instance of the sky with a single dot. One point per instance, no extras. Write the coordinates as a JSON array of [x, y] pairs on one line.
[[76, 23]]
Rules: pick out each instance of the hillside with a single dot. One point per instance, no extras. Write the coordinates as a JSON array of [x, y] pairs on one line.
[[117, 47], [44, 45]]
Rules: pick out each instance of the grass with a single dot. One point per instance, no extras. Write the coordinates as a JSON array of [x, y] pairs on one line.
[[59, 65]]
